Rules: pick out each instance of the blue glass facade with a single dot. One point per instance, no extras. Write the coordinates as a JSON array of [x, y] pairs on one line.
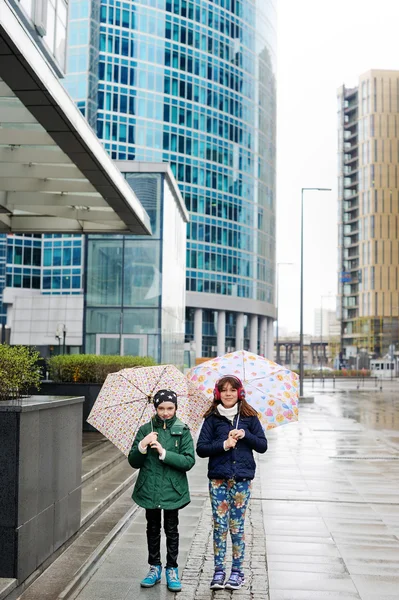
[[191, 83], [52, 263]]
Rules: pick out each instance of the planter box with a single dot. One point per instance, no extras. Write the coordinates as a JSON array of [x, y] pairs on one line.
[[40, 480], [90, 392]]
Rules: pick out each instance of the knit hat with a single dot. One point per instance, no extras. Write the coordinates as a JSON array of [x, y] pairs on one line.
[[165, 396]]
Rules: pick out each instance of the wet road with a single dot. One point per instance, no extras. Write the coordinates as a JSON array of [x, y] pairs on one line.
[[330, 489]]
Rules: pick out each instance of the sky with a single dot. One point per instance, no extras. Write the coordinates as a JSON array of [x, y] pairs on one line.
[[322, 44]]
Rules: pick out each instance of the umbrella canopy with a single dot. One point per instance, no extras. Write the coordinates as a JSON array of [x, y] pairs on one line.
[[271, 389], [125, 402]]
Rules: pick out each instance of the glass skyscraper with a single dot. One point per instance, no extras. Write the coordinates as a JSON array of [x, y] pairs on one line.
[[192, 83]]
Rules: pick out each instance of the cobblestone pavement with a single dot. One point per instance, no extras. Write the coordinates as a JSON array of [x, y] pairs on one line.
[[199, 567]]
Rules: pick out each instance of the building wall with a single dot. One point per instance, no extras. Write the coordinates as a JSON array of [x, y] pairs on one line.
[[134, 302], [193, 84], [369, 211], [37, 320], [173, 298]]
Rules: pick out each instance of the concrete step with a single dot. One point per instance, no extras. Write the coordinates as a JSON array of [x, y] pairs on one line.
[[99, 493], [100, 460], [6, 587], [105, 476], [92, 441]]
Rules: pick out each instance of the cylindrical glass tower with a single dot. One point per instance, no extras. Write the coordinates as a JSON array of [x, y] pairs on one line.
[[192, 83]]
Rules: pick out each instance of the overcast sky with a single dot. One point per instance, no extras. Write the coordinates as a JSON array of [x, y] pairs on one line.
[[322, 44]]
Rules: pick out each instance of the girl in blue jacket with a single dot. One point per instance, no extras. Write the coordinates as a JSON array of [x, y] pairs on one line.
[[229, 435]]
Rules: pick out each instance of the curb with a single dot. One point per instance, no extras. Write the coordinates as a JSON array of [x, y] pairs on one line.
[[7, 586]]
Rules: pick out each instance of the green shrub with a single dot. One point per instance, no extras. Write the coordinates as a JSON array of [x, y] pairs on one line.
[[91, 368], [19, 371]]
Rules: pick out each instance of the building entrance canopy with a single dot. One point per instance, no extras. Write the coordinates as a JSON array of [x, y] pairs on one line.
[[55, 176]]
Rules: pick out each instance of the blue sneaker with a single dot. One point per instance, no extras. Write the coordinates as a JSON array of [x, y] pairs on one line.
[[153, 576], [235, 581], [172, 579], [217, 582]]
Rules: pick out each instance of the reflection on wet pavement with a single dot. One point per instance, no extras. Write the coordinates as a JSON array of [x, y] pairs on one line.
[[330, 489]]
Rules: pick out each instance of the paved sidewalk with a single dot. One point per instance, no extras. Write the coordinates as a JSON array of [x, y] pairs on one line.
[[323, 522], [119, 573]]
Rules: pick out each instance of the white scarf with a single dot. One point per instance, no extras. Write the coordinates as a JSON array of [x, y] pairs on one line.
[[229, 413]]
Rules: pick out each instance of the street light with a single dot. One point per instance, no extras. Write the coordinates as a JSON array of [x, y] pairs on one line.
[[280, 264], [301, 300]]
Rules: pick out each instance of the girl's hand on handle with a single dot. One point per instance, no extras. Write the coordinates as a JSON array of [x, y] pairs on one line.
[[157, 446], [149, 439], [230, 442], [237, 434]]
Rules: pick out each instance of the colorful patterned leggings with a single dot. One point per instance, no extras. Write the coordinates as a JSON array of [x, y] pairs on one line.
[[229, 501]]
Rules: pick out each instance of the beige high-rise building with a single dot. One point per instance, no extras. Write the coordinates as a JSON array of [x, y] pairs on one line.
[[368, 188]]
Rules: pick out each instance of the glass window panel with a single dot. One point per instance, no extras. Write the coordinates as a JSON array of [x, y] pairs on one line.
[[18, 255], [103, 320], [110, 346], [36, 257], [141, 321], [67, 257], [142, 277], [27, 255], [56, 257], [104, 272]]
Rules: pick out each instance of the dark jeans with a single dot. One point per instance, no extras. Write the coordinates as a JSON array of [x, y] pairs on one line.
[[170, 525]]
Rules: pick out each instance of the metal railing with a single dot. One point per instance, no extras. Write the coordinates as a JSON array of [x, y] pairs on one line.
[[359, 381]]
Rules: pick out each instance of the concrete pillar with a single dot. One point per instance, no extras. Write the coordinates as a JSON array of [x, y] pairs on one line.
[[263, 336], [198, 332], [270, 339], [253, 341], [240, 331], [221, 337]]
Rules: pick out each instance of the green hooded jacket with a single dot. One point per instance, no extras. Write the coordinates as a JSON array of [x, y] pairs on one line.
[[163, 483]]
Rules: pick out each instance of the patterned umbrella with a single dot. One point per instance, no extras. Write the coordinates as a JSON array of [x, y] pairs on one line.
[[125, 402], [270, 389]]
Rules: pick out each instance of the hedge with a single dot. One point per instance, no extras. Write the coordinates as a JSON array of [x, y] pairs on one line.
[[19, 371], [91, 368]]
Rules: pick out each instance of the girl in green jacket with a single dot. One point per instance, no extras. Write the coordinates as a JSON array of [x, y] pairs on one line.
[[163, 450]]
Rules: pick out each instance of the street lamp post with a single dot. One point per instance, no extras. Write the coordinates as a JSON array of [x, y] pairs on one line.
[[301, 300], [277, 286]]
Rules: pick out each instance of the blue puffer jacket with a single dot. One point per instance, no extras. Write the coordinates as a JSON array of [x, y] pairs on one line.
[[237, 463]]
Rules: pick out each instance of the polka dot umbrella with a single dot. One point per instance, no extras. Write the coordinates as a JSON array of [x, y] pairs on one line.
[[125, 402], [272, 390]]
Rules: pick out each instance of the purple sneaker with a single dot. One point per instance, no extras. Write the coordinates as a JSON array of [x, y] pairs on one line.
[[217, 582], [235, 581]]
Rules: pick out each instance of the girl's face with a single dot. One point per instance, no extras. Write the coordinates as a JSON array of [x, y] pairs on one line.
[[166, 410], [228, 395]]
